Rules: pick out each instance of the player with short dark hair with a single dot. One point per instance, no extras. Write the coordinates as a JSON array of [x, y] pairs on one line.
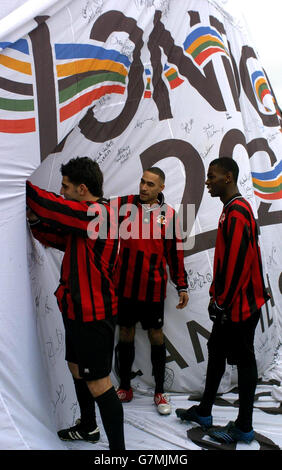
[[237, 295], [86, 294], [153, 243]]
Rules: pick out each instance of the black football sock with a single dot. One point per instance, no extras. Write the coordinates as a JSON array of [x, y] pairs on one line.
[[215, 371], [158, 358], [87, 405], [126, 353], [247, 382], [111, 412]]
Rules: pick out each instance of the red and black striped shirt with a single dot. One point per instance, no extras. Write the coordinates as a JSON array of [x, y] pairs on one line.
[[238, 284], [86, 291], [149, 240]]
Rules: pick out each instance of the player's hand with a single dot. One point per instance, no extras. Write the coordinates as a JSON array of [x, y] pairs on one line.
[[216, 313], [31, 216], [183, 299]]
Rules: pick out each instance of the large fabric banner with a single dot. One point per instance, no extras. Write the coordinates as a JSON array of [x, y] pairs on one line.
[[131, 84]]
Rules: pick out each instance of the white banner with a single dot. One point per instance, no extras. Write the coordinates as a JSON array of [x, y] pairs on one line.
[[134, 84]]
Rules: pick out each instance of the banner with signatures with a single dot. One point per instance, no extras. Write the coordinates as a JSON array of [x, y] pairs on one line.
[[134, 84]]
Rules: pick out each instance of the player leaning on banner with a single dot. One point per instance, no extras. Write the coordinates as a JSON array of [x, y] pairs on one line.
[[237, 295], [154, 242], [86, 293]]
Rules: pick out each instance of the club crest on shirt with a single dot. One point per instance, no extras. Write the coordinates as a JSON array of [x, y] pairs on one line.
[[161, 219], [222, 218]]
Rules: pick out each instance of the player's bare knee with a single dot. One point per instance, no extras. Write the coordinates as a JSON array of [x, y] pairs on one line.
[[126, 335], [74, 370], [156, 336], [99, 386]]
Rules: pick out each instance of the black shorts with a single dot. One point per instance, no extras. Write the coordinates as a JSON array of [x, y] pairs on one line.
[[90, 345], [149, 314], [234, 341]]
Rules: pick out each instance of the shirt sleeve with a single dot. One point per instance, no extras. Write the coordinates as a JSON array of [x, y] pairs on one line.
[[236, 264], [48, 236], [175, 255], [57, 212]]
